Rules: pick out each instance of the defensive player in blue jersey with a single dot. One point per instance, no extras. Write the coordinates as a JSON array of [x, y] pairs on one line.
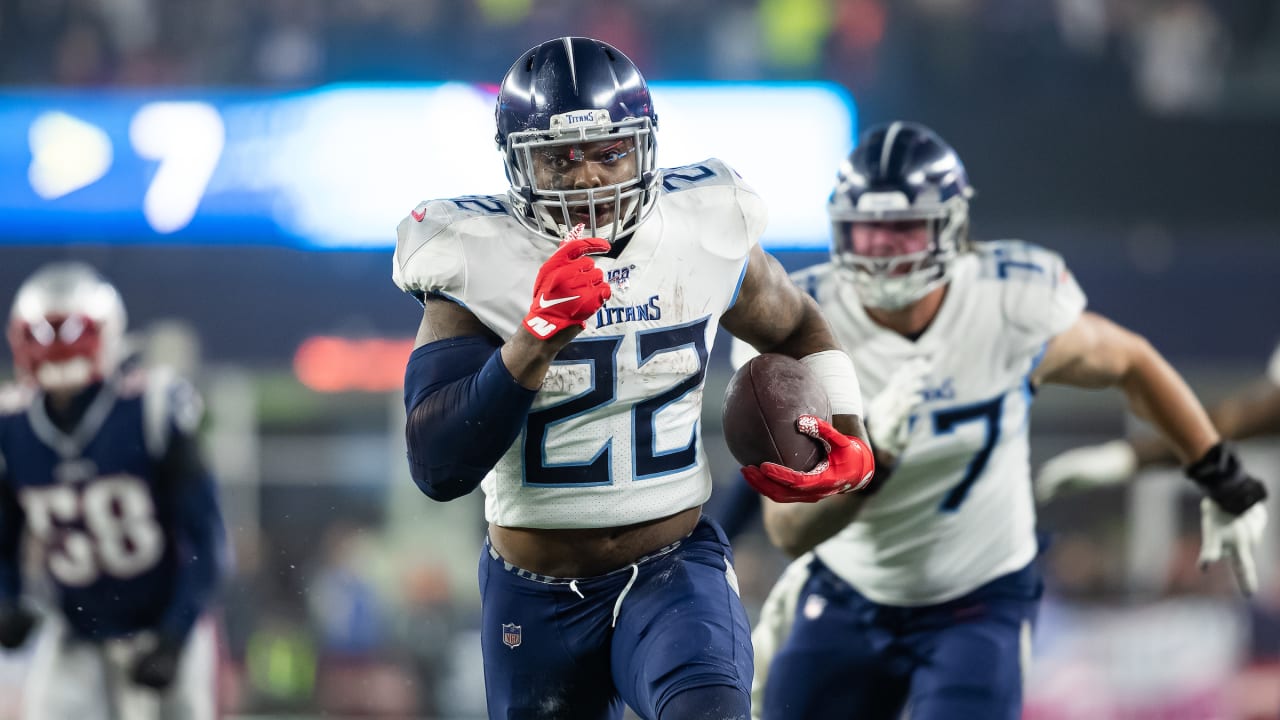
[[560, 365], [99, 467], [922, 595]]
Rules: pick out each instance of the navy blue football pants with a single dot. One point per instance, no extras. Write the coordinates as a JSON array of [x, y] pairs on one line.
[[579, 649], [848, 657]]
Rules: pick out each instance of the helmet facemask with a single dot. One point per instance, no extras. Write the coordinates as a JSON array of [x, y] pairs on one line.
[[66, 328], [611, 211], [893, 282]]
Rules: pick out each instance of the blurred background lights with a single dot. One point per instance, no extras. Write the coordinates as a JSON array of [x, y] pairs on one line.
[[67, 154], [187, 139], [334, 364]]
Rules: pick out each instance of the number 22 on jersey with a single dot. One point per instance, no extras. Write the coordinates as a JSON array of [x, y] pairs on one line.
[[600, 355]]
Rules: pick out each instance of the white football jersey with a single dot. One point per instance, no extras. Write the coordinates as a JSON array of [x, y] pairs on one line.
[[958, 510], [613, 437]]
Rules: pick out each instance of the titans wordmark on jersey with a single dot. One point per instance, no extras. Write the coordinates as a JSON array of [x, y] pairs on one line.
[[93, 500], [958, 510], [613, 437]]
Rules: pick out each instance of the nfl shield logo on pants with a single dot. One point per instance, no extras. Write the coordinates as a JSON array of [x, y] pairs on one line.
[[511, 635]]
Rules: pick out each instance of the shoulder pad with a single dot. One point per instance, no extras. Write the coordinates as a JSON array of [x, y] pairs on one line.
[[1039, 294], [708, 173], [15, 398], [428, 256], [722, 198], [1017, 260]]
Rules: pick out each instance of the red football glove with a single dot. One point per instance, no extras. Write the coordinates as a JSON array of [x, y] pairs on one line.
[[848, 467], [569, 288]]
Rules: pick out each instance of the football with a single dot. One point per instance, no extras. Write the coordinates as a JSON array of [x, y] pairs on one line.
[[764, 398]]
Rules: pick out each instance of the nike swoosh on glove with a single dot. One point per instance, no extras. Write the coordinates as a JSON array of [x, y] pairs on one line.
[[569, 288], [848, 467]]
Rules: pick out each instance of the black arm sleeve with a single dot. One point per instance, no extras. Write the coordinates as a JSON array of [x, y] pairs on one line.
[[464, 411]]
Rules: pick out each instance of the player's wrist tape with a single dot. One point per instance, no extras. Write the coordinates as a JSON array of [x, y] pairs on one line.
[[1223, 479], [835, 371]]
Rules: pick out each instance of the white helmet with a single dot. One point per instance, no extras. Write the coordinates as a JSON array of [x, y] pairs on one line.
[[66, 327]]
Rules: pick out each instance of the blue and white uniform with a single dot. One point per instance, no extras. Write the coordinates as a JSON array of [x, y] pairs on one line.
[[127, 526], [936, 571], [613, 439]]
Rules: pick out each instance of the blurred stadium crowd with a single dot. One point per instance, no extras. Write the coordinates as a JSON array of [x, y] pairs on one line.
[[1172, 55], [355, 596]]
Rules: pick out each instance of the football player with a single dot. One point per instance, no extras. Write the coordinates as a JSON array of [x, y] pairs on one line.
[[921, 595], [99, 468], [560, 366]]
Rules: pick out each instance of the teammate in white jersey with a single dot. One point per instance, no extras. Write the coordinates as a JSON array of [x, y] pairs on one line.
[[921, 595], [1252, 411], [580, 412]]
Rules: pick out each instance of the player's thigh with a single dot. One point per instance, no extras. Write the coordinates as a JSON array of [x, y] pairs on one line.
[[682, 626], [545, 649], [836, 662], [66, 680], [975, 668], [192, 695]]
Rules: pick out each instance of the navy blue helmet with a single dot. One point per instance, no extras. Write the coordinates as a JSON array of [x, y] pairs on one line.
[[572, 91], [900, 172]]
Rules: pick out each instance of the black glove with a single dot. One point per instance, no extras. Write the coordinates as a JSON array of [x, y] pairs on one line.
[[158, 667], [16, 623], [1224, 481]]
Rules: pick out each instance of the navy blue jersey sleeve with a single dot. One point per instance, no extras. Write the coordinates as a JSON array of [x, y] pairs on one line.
[[12, 522], [464, 411], [188, 490]]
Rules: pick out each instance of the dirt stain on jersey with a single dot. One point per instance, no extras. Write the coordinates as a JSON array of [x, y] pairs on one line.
[[568, 379]]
